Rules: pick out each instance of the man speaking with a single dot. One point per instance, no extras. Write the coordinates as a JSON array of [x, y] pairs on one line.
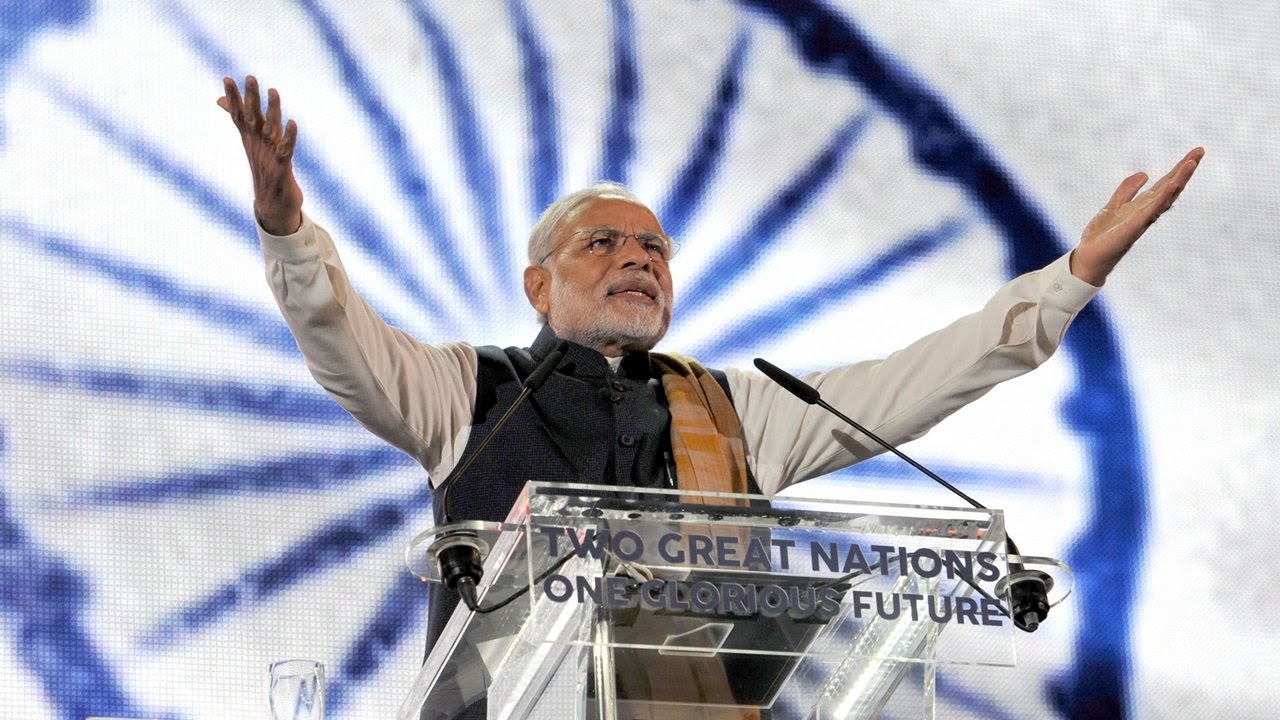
[[613, 412]]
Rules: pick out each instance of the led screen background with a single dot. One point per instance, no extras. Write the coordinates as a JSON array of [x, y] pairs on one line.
[[181, 503]]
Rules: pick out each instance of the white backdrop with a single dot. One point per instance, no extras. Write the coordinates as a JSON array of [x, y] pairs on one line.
[[181, 504]]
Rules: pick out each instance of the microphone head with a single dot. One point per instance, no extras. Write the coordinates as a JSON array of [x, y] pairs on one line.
[[546, 367], [789, 382]]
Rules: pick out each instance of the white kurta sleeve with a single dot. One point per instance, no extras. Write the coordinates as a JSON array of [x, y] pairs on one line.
[[417, 397], [904, 395]]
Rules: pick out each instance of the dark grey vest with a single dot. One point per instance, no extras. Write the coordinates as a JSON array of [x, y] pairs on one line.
[[586, 424]]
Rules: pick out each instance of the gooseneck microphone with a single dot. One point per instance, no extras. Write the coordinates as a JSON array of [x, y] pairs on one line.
[[458, 554], [1029, 591], [531, 384], [810, 395]]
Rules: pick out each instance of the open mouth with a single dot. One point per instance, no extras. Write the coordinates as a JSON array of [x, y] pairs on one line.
[[634, 290], [633, 294]]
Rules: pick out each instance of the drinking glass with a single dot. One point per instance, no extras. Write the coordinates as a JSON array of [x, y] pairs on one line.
[[295, 690]]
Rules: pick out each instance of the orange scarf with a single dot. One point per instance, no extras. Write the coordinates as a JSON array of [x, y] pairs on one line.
[[706, 435], [707, 442]]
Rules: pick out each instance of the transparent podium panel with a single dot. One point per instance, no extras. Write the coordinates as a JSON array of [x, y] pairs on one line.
[[607, 602]]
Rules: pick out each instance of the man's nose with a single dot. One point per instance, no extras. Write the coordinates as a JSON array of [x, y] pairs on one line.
[[632, 253]]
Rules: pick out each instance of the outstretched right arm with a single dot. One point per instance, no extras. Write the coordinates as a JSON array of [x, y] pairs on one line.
[[417, 397]]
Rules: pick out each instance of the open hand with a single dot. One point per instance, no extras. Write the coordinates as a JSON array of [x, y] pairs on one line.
[[277, 198], [1116, 227]]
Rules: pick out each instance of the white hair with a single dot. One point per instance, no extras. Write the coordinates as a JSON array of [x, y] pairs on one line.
[[541, 240]]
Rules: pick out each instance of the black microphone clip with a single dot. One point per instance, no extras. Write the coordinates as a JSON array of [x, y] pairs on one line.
[[460, 556], [1028, 592]]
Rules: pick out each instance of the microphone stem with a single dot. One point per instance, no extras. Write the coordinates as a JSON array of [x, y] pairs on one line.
[[448, 517], [1010, 545], [1033, 590], [827, 406], [531, 385]]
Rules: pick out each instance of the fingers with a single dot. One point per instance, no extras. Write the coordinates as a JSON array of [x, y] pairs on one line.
[[230, 100], [1179, 181], [1181, 171], [271, 130], [1188, 166], [247, 114], [1193, 154], [1162, 182], [232, 93], [1128, 188], [253, 104], [1172, 184], [284, 151], [1163, 192]]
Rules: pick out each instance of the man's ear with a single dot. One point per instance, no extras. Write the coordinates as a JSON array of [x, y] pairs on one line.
[[537, 287]]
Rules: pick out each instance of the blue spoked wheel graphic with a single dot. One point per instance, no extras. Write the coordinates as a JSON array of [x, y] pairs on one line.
[[182, 504]]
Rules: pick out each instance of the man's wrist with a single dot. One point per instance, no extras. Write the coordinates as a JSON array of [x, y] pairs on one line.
[[279, 226], [1081, 271]]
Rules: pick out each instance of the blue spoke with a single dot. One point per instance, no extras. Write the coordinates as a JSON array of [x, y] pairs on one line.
[[402, 611], [740, 256], [406, 165], [695, 177], [43, 601], [334, 544], [477, 161], [962, 475], [363, 228], [776, 320], [202, 194], [248, 322], [256, 401], [22, 22], [215, 56], [544, 125], [619, 139], [310, 471], [976, 705]]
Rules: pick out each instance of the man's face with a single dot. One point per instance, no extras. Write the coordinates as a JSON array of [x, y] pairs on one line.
[[613, 303]]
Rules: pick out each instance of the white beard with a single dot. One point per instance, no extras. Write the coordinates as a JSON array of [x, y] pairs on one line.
[[576, 316]]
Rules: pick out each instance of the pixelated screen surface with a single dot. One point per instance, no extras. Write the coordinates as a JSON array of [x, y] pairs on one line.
[[181, 504]]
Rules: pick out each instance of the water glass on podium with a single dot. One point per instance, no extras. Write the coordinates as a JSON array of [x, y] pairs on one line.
[[295, 690]]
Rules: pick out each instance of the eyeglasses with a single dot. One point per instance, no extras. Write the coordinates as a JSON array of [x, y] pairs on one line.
[[603, 242]]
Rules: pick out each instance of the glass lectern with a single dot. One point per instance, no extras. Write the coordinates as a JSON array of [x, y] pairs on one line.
[[619, 603]]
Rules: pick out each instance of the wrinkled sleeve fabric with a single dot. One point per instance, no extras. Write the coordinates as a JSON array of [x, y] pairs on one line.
[[416, 396], [903, 396]]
